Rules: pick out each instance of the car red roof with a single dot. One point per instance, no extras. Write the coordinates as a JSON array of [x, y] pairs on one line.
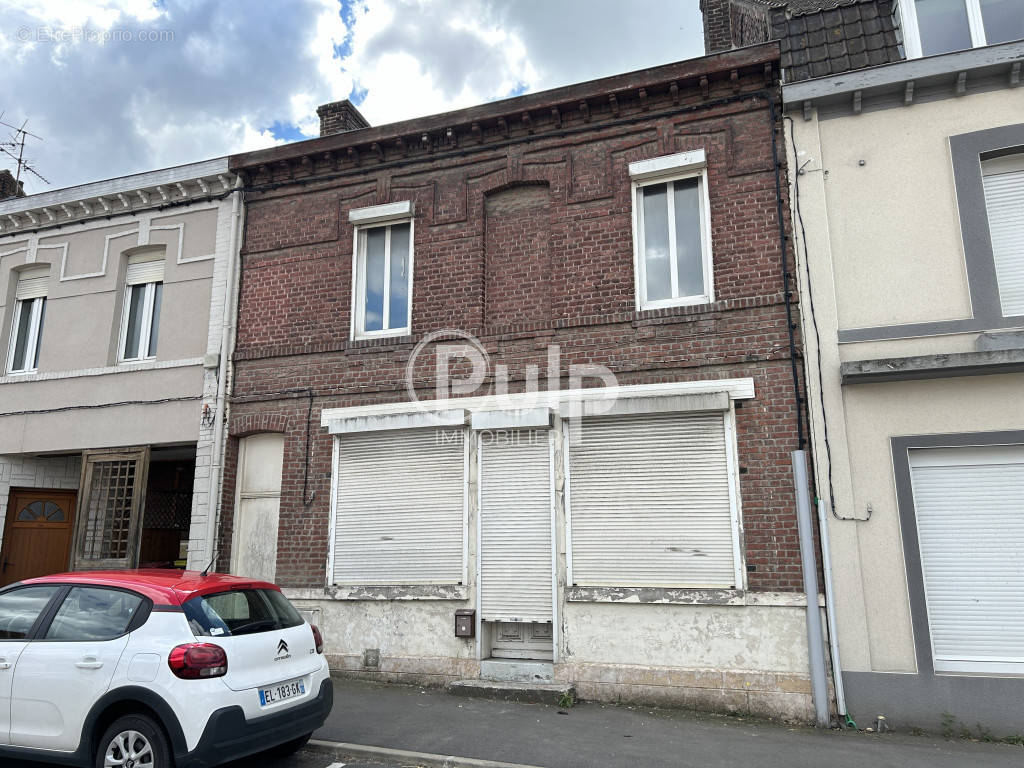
[[163, 587]]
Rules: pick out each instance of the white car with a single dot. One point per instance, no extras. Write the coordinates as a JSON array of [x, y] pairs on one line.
[[155, 669]]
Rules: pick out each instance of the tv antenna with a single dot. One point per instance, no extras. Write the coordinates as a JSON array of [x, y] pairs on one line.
[[14, 147]]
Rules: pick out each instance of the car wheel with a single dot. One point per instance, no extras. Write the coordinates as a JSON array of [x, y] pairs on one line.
[[133, 741], [283, 750]]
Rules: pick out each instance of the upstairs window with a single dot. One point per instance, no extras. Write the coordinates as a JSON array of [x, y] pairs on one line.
[[941, 26], [672, 245], [382, 273], [1003, 180], [27, 323], [140, 319]]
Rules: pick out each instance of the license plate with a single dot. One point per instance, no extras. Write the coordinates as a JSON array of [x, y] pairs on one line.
[[286, 690]]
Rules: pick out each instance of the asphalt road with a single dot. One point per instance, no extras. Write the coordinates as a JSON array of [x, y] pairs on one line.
[[302, 759]]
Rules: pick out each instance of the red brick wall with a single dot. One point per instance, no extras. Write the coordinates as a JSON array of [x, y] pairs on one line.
[[293, 334], [517, 259]]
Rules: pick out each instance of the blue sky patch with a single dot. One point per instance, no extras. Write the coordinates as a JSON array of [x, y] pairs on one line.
[[286, 131]]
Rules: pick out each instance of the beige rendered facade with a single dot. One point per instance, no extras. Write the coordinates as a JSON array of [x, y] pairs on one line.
[[112, 330], [908, 265]]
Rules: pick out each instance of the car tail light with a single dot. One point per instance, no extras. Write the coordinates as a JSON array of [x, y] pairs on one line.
[[194, 661], [318, 639]]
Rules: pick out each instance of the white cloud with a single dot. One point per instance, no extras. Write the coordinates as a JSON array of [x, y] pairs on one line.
[[225, 72]]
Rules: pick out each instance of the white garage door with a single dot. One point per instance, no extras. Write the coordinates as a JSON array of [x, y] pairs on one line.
[[969, 504]]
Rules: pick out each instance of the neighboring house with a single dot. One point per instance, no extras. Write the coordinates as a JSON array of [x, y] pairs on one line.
[[629, 224], [908, 209], [112, 300]]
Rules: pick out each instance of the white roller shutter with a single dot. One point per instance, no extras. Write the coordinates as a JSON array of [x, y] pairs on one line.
[[1004, 200], [399, 508], [515, 526], [145, 268], [650, 502], [32, 283], [969, 505]]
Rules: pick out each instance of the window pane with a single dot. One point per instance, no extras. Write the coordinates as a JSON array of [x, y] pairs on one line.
[[158, 291], [20, 608], [287, 616], [399, 299], [373, 317], [655, 230], [689, 261], [943, 26], [21, 340], [39, 331], [93, 613], [238, 612], [1004, 20], [136, 294]]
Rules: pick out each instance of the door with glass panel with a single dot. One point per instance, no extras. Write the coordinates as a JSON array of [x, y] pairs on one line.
[[113, 489], [37, 535]]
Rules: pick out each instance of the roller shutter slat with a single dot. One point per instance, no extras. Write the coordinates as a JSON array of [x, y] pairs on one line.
[[970, 523], [400, 499], [515, 534], [650, 504], [1004, 200]]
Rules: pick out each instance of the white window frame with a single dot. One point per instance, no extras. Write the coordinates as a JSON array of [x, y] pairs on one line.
[[364, 220], [907, 10], [661, 170], [31, 341], [146, 328]]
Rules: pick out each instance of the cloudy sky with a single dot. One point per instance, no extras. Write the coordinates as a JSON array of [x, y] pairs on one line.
[[121, 86]]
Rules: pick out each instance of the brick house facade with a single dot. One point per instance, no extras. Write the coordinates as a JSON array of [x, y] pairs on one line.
[[522, 218]]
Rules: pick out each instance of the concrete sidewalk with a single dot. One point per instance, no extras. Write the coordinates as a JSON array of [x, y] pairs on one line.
[[588, 735]]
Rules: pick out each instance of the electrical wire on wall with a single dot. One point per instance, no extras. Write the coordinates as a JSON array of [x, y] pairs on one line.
[[787, 284], [92, 406], [817, 336]]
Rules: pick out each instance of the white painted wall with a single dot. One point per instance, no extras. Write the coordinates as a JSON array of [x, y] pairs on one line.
[[883, 246], [78, 353]]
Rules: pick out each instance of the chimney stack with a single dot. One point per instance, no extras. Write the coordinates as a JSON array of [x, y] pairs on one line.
[[340, 116], [9, 187], [717, 25]]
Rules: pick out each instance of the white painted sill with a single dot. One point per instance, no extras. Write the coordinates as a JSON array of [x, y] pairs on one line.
[[685, 596], [386, 592]]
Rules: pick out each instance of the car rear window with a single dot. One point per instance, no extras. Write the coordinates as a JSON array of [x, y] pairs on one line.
[[240, 612]]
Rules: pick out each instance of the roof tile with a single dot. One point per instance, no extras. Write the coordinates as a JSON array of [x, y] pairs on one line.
[[825, 37], [835, 50], [858, 60], [832, 18]]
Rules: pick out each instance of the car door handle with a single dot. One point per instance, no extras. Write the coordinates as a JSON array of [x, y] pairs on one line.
[[5, 664], [89, 662]]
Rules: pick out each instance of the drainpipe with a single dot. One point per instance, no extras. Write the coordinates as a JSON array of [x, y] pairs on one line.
[[830, 616], [227, 345], [815, 645]]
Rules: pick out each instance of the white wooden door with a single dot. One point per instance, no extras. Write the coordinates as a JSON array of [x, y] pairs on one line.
[[523, 640], [257, 506], [516, 526]]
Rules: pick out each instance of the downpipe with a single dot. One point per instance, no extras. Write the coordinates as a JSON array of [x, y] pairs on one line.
[[227, 344], [830, 617], [815, 644]]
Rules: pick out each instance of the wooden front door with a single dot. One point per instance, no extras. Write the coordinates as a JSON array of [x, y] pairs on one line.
[[37, 534]]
